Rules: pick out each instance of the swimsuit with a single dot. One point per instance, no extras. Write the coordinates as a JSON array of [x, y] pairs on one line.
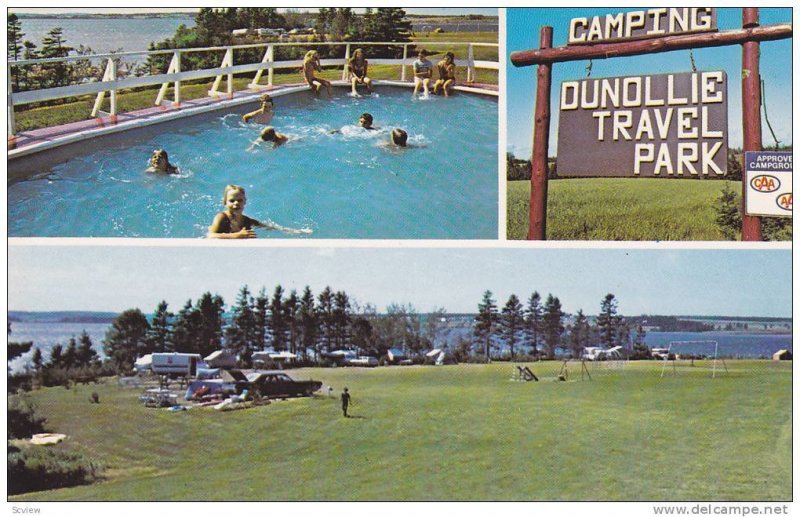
[[422, 67], [225, 224]]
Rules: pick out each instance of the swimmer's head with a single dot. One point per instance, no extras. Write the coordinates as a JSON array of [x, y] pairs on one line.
[[399, 137], [159, 161], [234, 195], [268, 134], [365, 120]]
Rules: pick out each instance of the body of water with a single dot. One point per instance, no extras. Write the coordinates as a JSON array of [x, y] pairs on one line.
[[334, 177], [729, 344], [46, 335], [107, 34]]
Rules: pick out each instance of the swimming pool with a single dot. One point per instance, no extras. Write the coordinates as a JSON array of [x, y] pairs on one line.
[[341, 185]]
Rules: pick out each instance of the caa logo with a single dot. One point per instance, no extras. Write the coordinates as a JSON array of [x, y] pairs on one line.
[[785, 201], [765, 183]]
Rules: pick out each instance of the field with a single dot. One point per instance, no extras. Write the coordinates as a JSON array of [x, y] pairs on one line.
[[79, 109], [622, 209], [464, 432]]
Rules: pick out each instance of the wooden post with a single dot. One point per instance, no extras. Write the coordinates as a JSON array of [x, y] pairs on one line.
[[403, 68], [751, 114], [113, 94], [541, 135], [346, 59], [178, 82]]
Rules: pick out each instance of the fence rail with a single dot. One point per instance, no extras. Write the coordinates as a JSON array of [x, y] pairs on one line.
[[111, 81]]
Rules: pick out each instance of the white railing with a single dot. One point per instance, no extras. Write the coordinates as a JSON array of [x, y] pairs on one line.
[[111, 83]]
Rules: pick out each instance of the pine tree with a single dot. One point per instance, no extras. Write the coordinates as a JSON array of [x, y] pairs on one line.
[[308, 322], [533, 322], [486, 322], [579, 335], [242, 333], [728, 217], [184, 331], [277, 320], [15, 47], [325, 318], [71, 353], [290, 313], [86, 356], [261, 314], [341, 318], [160, 338], [211, 309], [54, 45], [56, 357], [553, 325], [37, 360], [511, 322], [607, 321]]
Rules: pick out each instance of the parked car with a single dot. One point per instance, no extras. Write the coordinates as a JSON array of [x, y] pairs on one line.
[[276, 384]]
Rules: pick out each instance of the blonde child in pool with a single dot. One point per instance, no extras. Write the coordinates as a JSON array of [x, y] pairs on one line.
[[268, 134], [310, 65], [233, 224], [263, 115], [159, 163]]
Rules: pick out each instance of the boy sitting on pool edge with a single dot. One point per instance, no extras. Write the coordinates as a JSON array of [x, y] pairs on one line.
[[233, 224]]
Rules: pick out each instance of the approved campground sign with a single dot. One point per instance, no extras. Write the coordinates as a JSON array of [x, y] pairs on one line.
[[769, 183]]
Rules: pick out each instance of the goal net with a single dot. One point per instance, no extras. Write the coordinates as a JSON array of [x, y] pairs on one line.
[[700, 356]]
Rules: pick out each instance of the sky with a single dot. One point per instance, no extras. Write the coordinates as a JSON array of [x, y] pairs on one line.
[[96, 276], [523, 34]]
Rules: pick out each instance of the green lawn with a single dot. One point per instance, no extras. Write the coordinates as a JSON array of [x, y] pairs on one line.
[[80, 109], [462, 432], [621, 209]]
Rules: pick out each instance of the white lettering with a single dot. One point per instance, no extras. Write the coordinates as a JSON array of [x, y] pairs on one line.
[[567, 88], [622, 122], [685, 127], [644, 153]]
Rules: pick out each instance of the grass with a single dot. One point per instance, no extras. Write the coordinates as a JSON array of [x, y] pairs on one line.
[[461, 432], [77, 109], [621, 209]]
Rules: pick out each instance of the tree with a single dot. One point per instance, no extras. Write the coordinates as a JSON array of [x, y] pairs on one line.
[[607, 321], [553, 324], [728, 217], [71, 353], [640, 349], [210, 336], [56, 357], [341, 318], [54, 45], [511, 322], [126, 338], [37, 360], [579, 336], [14, 46], [86, 355], [261, 315], [278, 324], [241, 334], [435, 324], [387, 24], [308, 321], [485, 322], [533, 322], [184, 331], [325, 317], [290, 313], [160, 338]]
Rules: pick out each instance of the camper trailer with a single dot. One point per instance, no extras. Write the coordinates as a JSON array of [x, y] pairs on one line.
[[176, 364]]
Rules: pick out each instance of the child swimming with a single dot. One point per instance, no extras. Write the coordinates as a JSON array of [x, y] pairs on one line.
[[159, 163], [233, 224], [268, 134], [264, 114], [357, 66], [365, 122], [310, 65], [423, 71], [447, 75], [399, 137]]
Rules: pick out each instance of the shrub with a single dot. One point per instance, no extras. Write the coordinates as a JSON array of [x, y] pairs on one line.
[[23, 422], [34, 469]]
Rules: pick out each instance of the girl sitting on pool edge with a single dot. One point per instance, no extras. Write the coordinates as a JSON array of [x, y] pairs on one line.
[[310, 65], [233, 224]]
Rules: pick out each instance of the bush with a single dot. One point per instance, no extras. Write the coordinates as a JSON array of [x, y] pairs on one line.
[[23, 422], [34, 469]]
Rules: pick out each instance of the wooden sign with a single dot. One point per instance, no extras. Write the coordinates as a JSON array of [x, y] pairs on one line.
[[670, 125], [768, 176], [633, 25]]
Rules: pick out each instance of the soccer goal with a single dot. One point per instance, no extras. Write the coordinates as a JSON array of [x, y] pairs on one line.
[[691, 354]]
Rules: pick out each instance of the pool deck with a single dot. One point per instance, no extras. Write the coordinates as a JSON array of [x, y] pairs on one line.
[[29, 142]]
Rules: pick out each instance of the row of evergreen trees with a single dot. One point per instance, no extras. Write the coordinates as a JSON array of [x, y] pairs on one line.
[[539, 328]]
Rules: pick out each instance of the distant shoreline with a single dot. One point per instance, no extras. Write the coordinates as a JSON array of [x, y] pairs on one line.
[[89, 16]]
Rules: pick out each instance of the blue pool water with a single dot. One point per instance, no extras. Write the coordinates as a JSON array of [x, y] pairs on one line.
[[342, 185]]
